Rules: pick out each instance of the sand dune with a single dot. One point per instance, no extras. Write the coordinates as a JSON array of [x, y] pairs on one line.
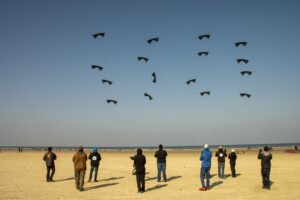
[[23, 177]]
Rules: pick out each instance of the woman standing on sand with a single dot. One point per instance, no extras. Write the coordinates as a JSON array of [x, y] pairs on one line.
[[265, 158]]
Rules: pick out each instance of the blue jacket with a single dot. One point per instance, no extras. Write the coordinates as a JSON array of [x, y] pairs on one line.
[[206, 158]]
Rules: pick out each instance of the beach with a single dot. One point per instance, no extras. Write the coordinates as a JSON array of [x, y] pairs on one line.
[[23, 177]]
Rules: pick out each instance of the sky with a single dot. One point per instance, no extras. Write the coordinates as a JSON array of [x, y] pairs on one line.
[[49, 95]]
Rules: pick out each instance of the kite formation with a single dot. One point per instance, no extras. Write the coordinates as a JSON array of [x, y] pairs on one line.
[[188, 82]]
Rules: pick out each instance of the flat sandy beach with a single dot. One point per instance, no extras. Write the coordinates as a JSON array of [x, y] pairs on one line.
[[23, 177]]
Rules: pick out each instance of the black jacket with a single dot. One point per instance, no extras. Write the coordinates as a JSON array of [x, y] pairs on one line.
[[265, 158], [139, 162], [221, 155], [95, 158], [161, 156], [232, 157], [49, 158]]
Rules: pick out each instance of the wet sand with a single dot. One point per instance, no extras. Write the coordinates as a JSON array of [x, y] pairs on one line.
[[23, 177]]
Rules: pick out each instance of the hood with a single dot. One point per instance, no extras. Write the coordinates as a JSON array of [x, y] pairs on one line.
[[95, 149]]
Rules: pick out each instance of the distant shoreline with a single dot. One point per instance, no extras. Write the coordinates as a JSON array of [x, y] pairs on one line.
[[238, 146]]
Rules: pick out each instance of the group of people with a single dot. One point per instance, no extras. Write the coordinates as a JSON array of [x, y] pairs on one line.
[[264, 155], [80, 159]]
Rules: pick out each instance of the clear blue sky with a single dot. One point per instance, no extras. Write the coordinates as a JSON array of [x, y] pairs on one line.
[[51, 96]]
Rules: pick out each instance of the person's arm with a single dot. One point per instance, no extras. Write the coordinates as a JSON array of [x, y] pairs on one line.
[[90, 156], [145, 160], [54, 157], [44, 158], [74, 158], [259, 155], [271, 156], [100, 156], [155, 155]]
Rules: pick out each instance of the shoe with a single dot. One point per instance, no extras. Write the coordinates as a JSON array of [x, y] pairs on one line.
[[202, 189], [208, 188], [95, 180], [81, 189], [89, 180], [165, 180]]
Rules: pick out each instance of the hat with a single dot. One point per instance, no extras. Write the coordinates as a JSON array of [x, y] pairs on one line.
[[95, 149], [220, 147], [205, 146], [232, 150], [80, 149], [266, 148]]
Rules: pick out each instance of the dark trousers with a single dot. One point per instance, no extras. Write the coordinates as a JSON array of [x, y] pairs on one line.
[[161, 168], [91, 173], [48, 176], [232, 167], [79, 179], [140, 180], [265, 173]]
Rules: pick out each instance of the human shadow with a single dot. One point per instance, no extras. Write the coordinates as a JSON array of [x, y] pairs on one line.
[[173, 178], [99, 186], [149, 178], [215, 184], [112, 178], [156, 187], [238, 175], [65, 179], [227, 175], [212, 175]]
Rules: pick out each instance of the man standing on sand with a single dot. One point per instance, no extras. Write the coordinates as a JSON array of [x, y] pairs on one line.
[[161, 163], [265, 158], [232, 160], [139, 163], [49, 158], [79, 160], [221, 154], [205, 157], [95, 158]]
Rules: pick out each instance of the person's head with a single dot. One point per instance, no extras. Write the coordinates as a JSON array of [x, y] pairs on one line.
[[160, 146], [49, 149], [205, 146], [80, 149], [220, 147], [139, 152], [95, 149], [232, 150], [266, 148]]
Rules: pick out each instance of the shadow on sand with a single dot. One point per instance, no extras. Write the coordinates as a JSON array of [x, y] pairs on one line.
[[99, 186], [173, 178], [112, 178], [65, 179], [215, 184], [149, 178], [156, 187]]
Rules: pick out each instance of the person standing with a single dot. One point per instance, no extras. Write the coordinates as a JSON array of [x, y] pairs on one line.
[[139, 163], [265, 158], [232, 160], [79, 160], [49, 158], [205, 157], [161, 163], [221, 154], [95, 158]]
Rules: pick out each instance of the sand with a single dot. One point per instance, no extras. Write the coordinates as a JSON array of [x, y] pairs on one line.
[[23, 177]]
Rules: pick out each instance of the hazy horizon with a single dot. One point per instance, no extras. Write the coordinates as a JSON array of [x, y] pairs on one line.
[[50, 96]]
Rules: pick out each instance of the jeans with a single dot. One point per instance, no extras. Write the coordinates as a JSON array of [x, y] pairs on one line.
[[221, 167], [79, 179], [91, 173], [48, 176], [161, 167], [205, 173]]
